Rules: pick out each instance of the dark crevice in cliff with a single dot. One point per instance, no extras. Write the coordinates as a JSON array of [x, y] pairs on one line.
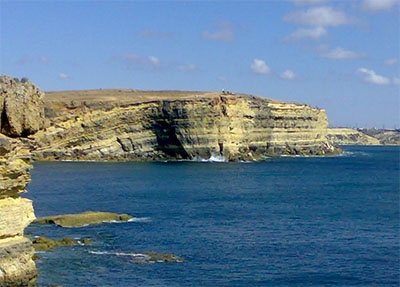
[[5, 124], [167, 135], [167, 140]]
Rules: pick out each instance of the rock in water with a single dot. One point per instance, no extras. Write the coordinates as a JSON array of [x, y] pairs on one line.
[[82, 219], [45, 244]]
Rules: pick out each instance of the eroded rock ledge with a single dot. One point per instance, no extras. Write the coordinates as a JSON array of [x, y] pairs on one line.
[[22, 114], [164, 125]]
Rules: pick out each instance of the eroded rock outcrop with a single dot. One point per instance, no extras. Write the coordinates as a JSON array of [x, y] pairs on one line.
[[83, 219], [140, 125], [348, 136], [22, 113]]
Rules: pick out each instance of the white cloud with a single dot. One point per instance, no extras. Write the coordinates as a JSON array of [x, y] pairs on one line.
[[396, 81], [288, 75], [188, 68], [313, 34], [340, 54], [259, 67], [307, 2], [147, 33], [43, 60], [370, 76], [63, 76], [137, 60], [222, 79], [379, 5], [318, 16], [391, 62], [224, 32], [153, 60]]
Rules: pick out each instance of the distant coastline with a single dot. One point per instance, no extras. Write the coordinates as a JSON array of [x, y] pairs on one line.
[[363, 136]]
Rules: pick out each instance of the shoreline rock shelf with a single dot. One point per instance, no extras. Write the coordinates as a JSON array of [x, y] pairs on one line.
[[83, 219]]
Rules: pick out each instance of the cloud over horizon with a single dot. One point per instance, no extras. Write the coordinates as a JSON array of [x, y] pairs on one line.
[[371, 77], [288, 75], [392, 61], [379, 5], [188, 68], [318, 16], [63, 76], [307, 2], [341, 54], [259, 67], [302, 33], [137, 60], [150, 34], [224, 32]]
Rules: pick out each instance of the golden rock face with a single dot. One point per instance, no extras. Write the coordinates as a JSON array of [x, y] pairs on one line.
[[135, 125], [22, 113]]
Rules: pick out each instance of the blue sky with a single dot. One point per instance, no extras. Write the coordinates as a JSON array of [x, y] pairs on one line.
[[342, 56]]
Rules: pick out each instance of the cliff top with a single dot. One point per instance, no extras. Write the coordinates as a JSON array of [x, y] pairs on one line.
[[131, 96]]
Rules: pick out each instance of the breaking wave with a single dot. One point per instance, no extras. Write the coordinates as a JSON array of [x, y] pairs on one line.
[[133, 219], [134, 255]]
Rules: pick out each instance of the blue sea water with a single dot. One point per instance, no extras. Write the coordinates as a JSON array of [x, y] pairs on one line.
[[308, 221]]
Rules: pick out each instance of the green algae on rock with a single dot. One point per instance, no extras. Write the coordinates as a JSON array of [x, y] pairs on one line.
[[82, 219]]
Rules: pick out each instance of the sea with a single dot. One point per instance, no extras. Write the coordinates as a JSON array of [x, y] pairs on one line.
[[287, 221]]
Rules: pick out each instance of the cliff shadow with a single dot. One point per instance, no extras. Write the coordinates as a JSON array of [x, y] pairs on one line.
[[163, 125]]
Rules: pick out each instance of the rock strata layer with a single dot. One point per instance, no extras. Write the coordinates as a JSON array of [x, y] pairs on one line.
[[145, 125], [347, 136], [22, 113]]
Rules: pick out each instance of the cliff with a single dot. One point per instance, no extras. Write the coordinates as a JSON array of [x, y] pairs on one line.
[[151, 125], [22, 114], [347, 136], [385, 136]]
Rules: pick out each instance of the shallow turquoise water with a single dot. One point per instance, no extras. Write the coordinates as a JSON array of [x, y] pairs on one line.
[[285, 222]]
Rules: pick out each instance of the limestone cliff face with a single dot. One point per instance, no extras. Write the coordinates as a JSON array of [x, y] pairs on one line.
[[347, 136], [137, 125], [22, 113]]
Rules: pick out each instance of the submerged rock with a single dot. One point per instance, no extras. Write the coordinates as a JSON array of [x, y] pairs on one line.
[[145, 257], [161, 257], [82, 219], [45, 244]]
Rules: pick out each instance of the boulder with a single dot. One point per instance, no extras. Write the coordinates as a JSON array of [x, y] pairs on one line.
[[21, 106]]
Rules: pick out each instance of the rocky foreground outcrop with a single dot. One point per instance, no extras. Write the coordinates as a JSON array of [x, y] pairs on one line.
[[22, 114], [148, 125]]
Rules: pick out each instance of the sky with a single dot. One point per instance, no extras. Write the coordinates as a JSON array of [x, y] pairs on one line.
[[342, 56]]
